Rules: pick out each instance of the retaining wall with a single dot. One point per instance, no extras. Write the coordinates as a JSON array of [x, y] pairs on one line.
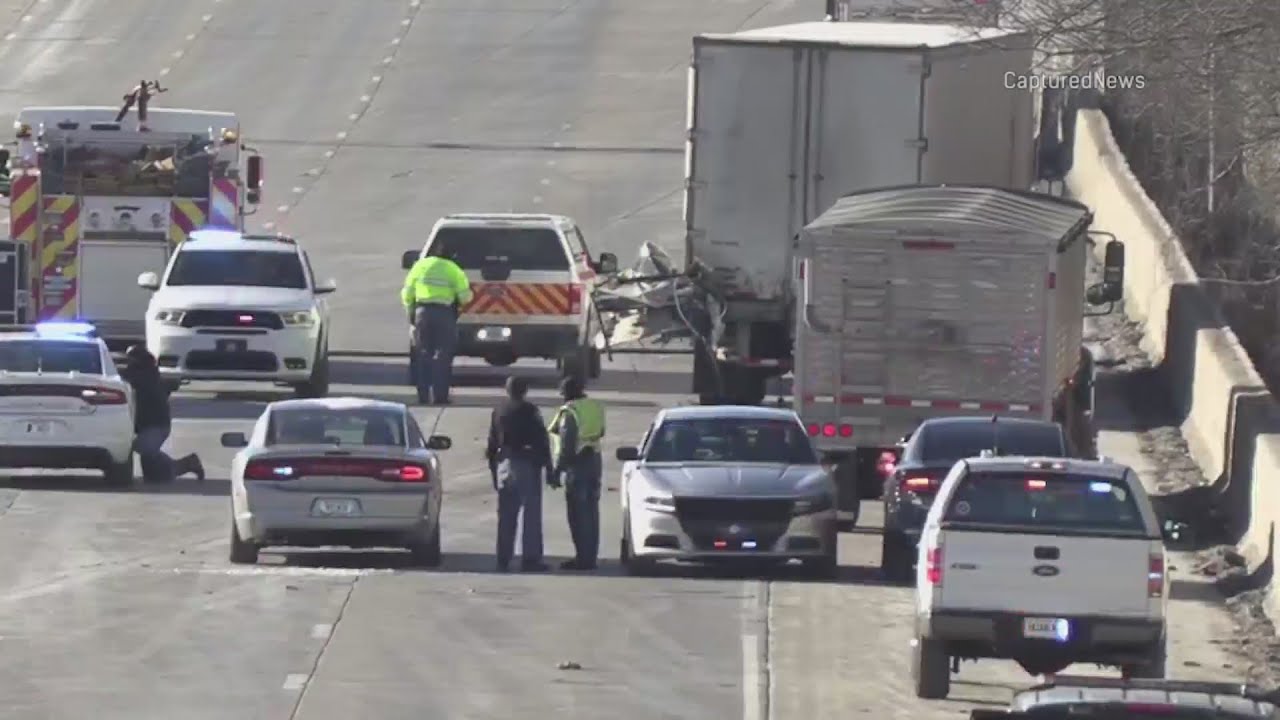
[[1229, 420]]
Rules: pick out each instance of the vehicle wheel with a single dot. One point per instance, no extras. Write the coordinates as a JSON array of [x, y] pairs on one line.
[[633, 565], [119, 474], [930, 669], [426, 552], [574, 364], [318, 385], [826, 567], [594, 363], [896, 562], [1152, 669], [242, 552]]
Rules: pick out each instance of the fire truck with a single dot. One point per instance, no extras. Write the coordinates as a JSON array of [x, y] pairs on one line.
[[101, 194]]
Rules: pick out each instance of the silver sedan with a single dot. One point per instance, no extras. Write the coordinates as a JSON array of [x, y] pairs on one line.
[[727, 483], [336, 472]]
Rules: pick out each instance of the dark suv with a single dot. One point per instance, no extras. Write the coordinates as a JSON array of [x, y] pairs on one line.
[[927, 457]]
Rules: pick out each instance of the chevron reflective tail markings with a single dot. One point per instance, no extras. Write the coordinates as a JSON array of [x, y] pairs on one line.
[[59, 259], [24, 208], [185, 216], [525, 299], [223, 211]]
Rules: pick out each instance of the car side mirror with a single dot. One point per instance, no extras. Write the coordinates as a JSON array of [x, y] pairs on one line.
[[408, 259], [627, 454], [234, 440], [607, 264], [149, 281], [254, 172], [326, 287], [439, 442]]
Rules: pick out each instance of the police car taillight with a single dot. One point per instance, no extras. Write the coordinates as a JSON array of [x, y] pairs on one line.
[[1155, 575], [103, 396], [575, 298]]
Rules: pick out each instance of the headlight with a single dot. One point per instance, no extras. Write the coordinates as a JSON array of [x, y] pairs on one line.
[[170, 317], [660, 504], [813, 505], [302, 318]]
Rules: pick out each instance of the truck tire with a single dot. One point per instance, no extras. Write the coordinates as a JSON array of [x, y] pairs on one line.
[[896, 558], [1153, 669], [930, 669]]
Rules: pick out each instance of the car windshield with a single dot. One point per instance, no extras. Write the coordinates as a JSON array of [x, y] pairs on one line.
[[329, 426], [475, 248], [731, 440], [238, 268], [946, 443], [1046, 501], [50, 356]]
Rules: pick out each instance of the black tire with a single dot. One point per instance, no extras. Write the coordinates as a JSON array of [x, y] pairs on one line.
[[242, 552], [318, 385], [1153, 669], [896, 559], [632, 565], [426, 552], [825, 567], [119, 475], [930, 669], [594, 363]]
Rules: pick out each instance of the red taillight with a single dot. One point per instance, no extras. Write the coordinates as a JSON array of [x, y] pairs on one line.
[[933, 565], [829, 430], [103, 396], [575, 299], [918, 483], [293, 469], [1155, 575]]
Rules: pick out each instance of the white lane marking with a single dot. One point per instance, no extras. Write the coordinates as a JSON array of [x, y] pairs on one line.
[[191, 36], [750, 677], [328, 153], [342, 135], [282, 208], [365, 98], [178, 53], [320, 632], [10, 36], [164, 71], [297, 190], [26, 18], [296, 681], [406, 22], [353, 117], [375, 79], [395, 41], [206, 18]]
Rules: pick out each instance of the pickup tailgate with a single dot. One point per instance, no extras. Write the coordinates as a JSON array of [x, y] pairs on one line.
[[1095, 575]]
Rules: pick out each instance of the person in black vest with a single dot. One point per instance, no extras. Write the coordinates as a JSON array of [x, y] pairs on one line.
[[519, 452], [152, 421]]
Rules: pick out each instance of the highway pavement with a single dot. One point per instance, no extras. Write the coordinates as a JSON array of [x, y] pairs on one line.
[[375, 117]]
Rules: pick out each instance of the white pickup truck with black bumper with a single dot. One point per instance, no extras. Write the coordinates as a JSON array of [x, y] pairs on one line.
[[1043, 561]]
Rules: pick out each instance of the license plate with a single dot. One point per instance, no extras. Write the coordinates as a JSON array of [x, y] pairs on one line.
[[38, 427], [335, 507], [1046, 629], [232, 345]]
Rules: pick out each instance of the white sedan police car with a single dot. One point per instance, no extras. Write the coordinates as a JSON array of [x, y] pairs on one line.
[[232, 306], [344, 472], [63, 404]]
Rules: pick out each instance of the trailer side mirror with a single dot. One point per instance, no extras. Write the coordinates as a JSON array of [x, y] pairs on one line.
[[254, 180]]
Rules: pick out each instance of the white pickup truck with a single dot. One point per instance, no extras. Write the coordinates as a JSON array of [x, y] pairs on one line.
[[1043, 561]]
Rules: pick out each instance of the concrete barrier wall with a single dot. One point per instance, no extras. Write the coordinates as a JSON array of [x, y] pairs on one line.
[[1228, 418]]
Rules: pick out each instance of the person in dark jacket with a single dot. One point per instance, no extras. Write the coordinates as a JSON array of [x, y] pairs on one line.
[[519, 452], [152, 421]]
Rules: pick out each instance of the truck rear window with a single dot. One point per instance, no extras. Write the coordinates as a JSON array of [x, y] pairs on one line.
[[1046, 501], [949, 442], [474, 248]]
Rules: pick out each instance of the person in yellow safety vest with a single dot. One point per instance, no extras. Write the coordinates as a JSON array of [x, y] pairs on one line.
[[576, 431], [434, 292]]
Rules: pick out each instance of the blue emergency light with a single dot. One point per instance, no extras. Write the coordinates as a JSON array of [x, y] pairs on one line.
[[66, 328]]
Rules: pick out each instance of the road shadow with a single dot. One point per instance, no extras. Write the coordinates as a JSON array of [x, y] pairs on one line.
[[95, 484], [484, 564], [396, 374]]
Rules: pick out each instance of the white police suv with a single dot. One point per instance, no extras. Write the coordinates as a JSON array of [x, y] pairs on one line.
[[63, 404], [233, 306]]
